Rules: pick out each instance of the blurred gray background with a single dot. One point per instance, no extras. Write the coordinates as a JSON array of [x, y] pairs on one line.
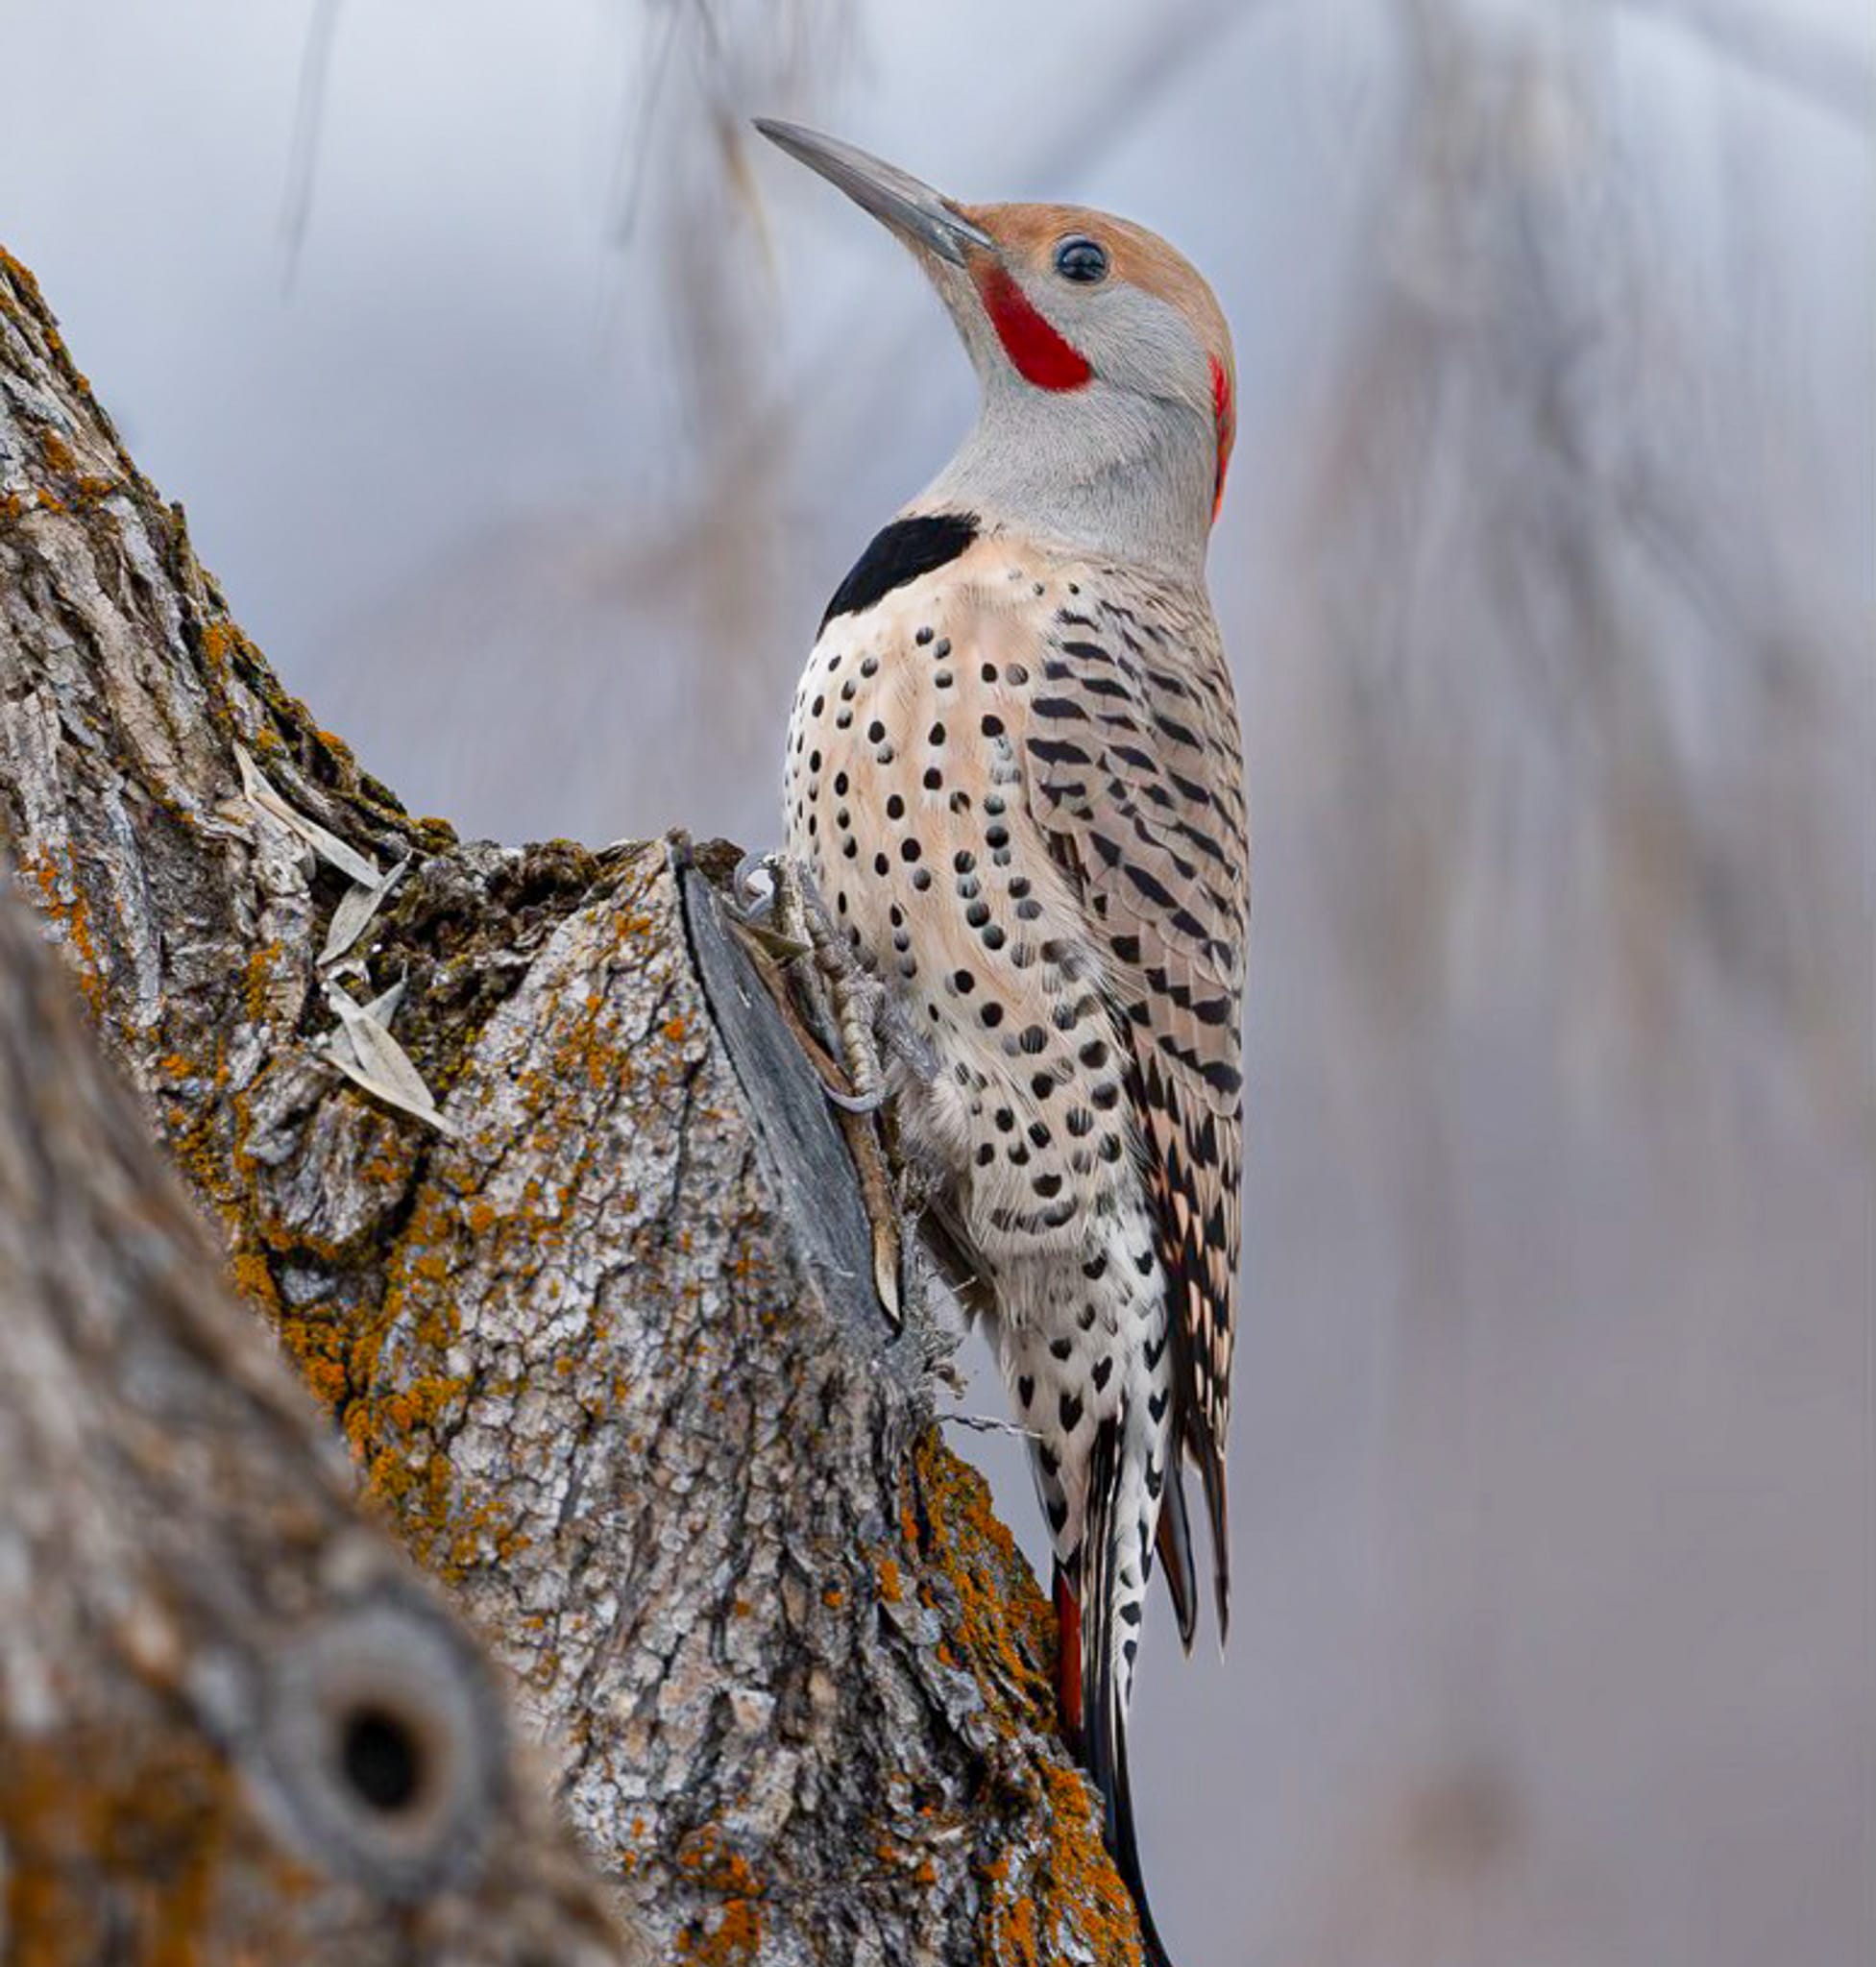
[[529, 415]]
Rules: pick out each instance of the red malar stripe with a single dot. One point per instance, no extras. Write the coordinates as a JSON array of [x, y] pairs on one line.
[[1041, 354]]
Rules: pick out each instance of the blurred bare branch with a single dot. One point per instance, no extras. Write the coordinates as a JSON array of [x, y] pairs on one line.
[[308, 121], [1534, 516], [635, 131]]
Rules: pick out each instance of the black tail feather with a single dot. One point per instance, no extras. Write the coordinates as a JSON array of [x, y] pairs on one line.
[[1211, 1468], [1173, 1541], [1104, 1725]]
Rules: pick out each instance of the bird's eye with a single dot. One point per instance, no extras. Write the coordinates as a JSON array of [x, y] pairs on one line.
[[1082, 259]]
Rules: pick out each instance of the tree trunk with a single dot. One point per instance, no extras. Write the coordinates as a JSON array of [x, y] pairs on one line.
[[598, 1325], [234, 1724]]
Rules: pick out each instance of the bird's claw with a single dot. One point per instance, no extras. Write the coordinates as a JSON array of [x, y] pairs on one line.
[[753, 888], [855, 1102], [755, 935]]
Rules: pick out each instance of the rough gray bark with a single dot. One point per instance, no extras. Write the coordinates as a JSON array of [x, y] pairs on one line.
[[233, 1721], [603, 1343]]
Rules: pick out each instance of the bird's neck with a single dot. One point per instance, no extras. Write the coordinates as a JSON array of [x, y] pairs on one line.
[[1109, 474]]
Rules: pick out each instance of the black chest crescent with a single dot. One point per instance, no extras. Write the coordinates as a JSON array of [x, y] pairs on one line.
[[900, 554]]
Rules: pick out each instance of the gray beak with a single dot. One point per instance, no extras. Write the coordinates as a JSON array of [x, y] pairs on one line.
[[914, 210]]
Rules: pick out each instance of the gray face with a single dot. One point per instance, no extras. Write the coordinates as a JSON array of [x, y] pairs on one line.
[[1136, 342], [1133, 340], [1124, 465]]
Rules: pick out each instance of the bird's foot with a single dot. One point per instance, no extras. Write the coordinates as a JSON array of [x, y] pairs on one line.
[[870, 1032]]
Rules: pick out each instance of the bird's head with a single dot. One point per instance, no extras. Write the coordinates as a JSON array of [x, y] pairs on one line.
[[1083, 328]]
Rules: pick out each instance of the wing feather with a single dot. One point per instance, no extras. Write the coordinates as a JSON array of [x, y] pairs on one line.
[[1135, 765]]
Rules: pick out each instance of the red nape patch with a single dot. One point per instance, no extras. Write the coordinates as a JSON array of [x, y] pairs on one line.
[[1041, 354], [1225, 416]]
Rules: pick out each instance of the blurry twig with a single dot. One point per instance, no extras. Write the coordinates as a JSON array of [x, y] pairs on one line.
[[984, 1423], [633, 154], [309, 117]]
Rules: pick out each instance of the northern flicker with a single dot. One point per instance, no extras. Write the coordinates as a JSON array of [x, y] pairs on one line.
[[1014, 771]]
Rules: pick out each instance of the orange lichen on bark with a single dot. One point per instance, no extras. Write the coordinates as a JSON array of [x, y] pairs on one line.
[[1001, 1630], [62, 900], [1003, 1622], [104, 1828], [727, 1875], [393, 1428]]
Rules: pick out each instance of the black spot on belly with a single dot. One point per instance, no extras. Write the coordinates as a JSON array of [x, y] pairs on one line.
[[900, 554]]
